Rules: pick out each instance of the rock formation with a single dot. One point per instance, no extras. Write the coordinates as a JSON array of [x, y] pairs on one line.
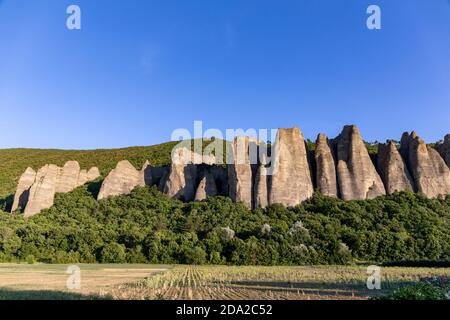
[[356, 174], [86, 176], [393, 169], [341, 167], [181, 181], [444, 149], [67, 178], [291, 180], [240, 176], [261, 187], [430, 173], [36, 191], [42, 193], [325, 167], [121, 180], [23, 189], [206, 188]]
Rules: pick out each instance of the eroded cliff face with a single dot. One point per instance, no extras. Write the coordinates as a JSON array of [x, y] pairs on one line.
[[430, 173], [121, 180], [240, 174], [23, 189], [356, 174], [259, 175], [291, 179], [36, 191], [325, 167], [444, 149], [393, 169]]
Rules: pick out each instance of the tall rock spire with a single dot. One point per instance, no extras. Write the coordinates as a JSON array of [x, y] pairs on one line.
[[240, 175], [393, 170], [325, 167], [430, 173], [291, 180], [357, 176]]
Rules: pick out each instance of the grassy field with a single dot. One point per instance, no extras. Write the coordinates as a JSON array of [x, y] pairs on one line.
[[152, 282], [43, 281]]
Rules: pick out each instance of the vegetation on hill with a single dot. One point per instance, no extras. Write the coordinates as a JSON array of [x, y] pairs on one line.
[[147, 226], [13, 162]]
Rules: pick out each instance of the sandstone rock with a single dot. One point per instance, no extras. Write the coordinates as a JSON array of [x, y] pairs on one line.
[[393, 169], [183, 155], [82, 177], [430, 173], [86, 176], [93, 174], [67, 179], [206, 188], [261, 187], [49, 180], [23, 189], [43, 191], [291, 180], [240, 176], [444, 149], [121, 180], [356, 174], [182, 178], [325, 167]]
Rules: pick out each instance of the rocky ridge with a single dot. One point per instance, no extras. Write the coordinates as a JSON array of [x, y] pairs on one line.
[[258, 175]]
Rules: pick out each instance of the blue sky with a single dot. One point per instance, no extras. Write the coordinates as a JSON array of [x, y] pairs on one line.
[[138, 69]]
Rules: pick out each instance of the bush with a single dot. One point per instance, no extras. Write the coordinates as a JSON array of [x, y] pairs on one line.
[[195, 256], [419, 291], [113, 253], [31, 259]]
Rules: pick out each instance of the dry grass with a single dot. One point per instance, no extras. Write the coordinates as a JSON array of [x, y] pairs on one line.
[[22, 281]]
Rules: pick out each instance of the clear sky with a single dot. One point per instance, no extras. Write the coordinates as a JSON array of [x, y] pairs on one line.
[[138, 69]]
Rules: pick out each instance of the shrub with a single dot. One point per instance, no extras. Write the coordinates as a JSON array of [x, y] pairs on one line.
[[113, 253], [419, 291]]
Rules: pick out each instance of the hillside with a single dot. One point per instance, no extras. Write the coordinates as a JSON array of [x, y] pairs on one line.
[[148, 226], [13, 162]]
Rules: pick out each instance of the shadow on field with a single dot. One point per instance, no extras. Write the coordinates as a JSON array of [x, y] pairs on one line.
[[10, 294], [320, 289]]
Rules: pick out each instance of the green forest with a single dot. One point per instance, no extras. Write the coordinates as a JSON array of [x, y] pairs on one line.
[[148, 227]]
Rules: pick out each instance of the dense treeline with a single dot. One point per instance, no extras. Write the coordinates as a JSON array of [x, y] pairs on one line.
[[147, 226]]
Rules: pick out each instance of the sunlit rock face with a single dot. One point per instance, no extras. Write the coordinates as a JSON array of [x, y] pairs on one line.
[[356, 174], [393, 169], [36, 191], [291, 180], [23, 189], [42, 192], [325, 167], [121, 180], [430, 173], [240, 173]]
